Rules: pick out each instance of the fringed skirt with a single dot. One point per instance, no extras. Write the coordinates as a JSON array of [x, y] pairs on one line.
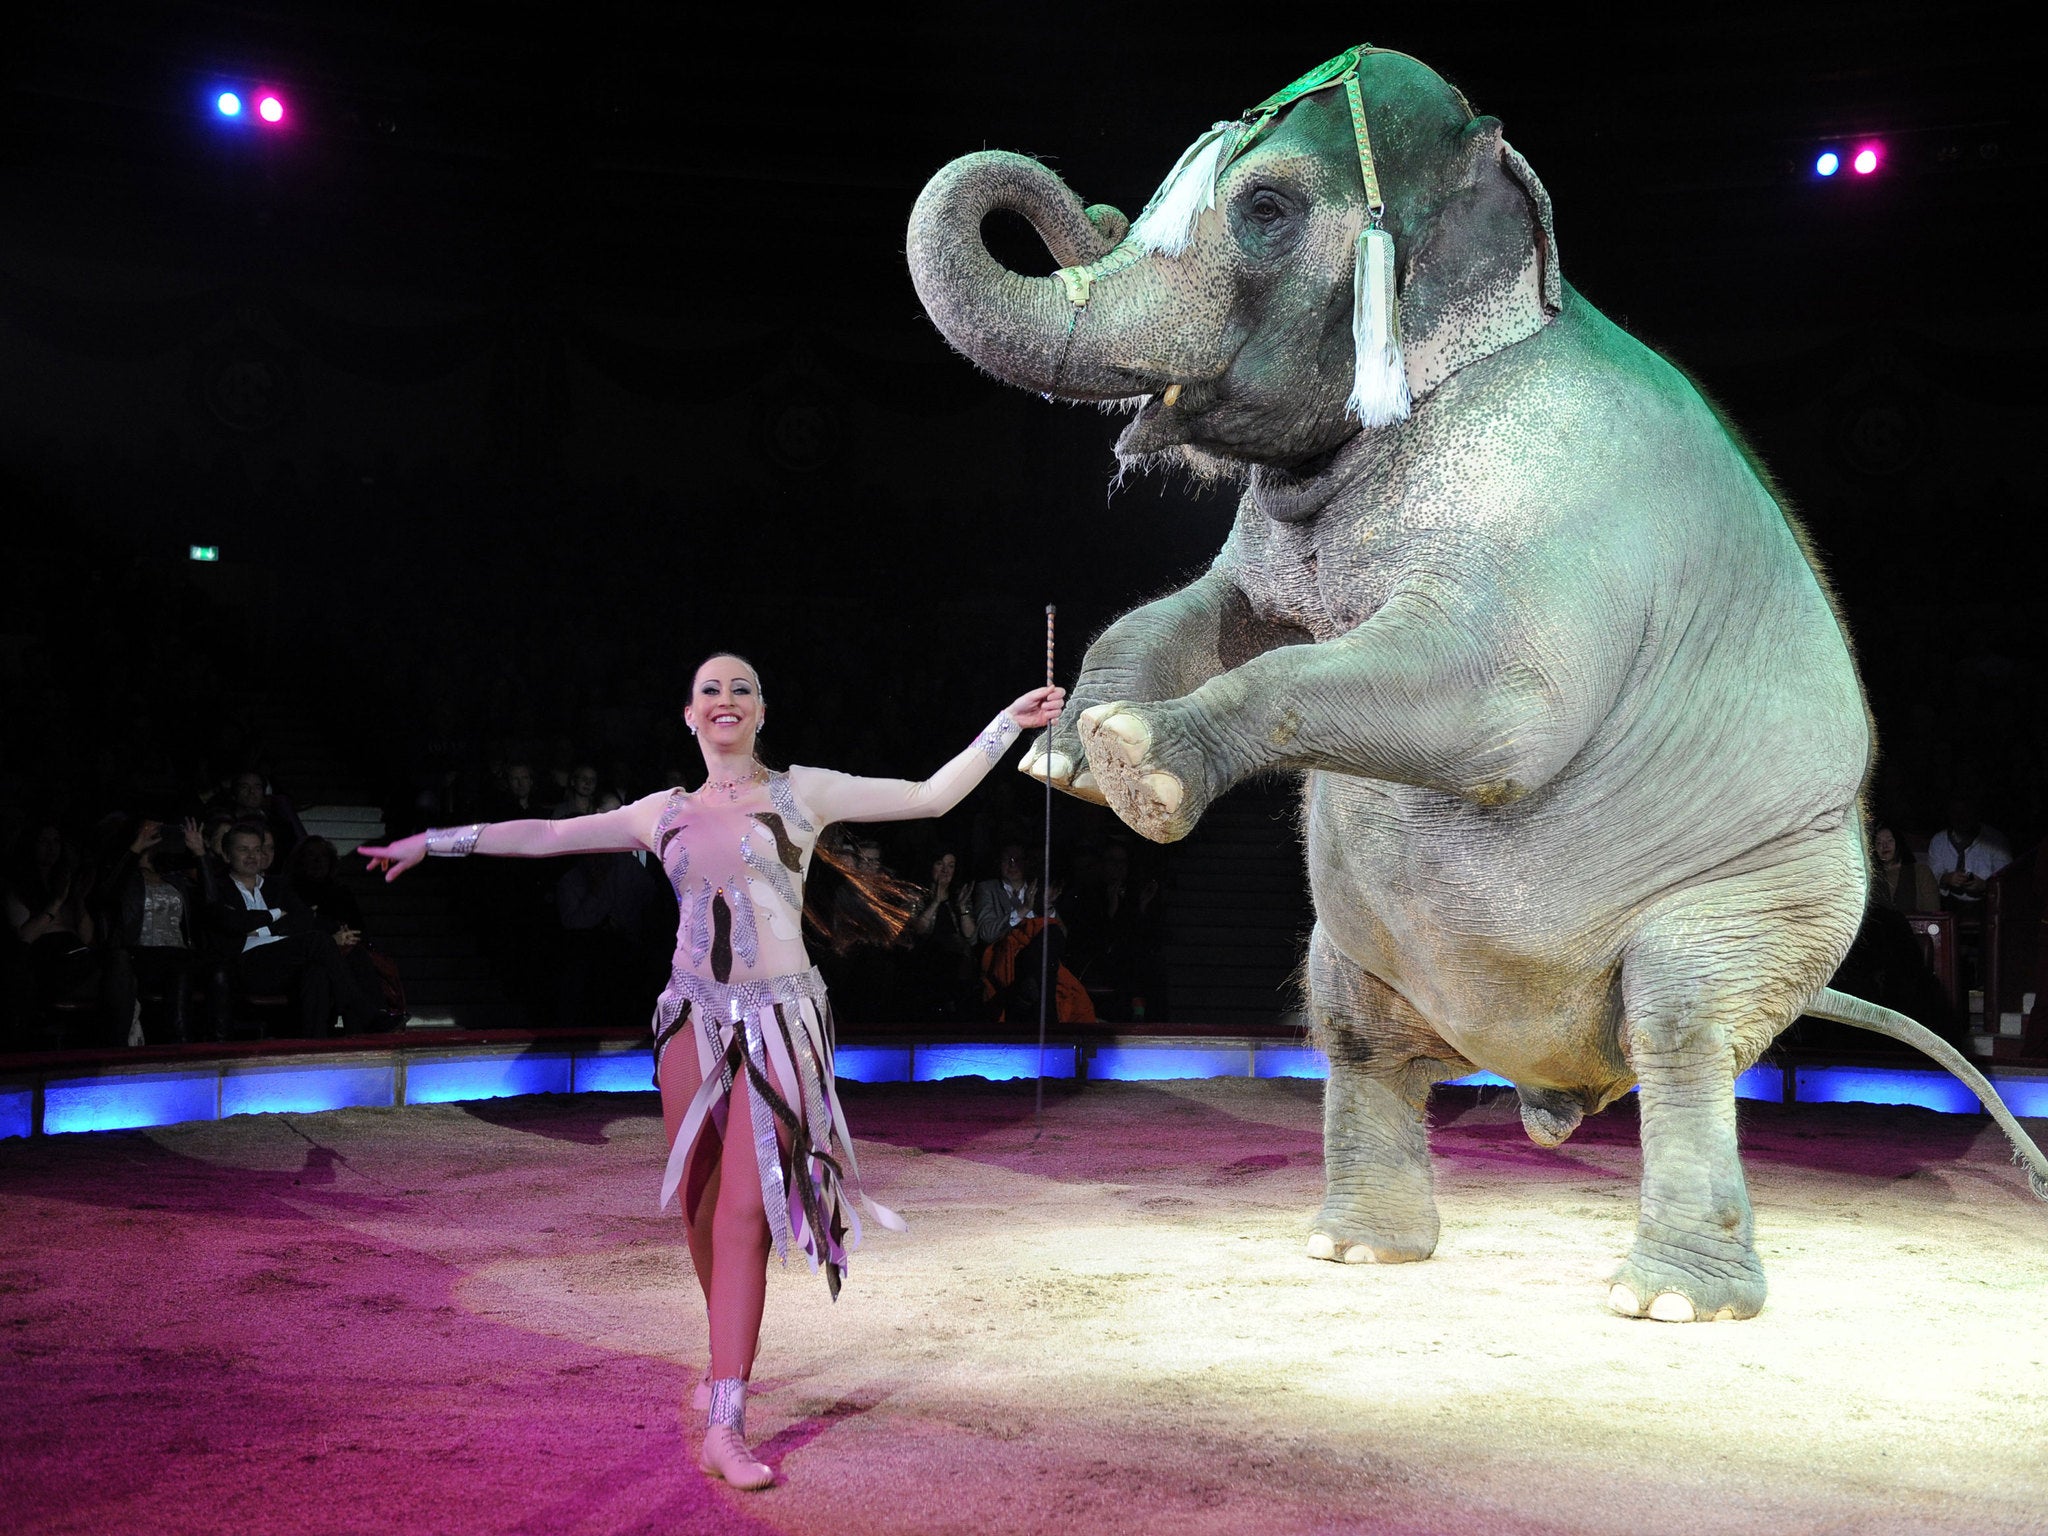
[[775, 1030]]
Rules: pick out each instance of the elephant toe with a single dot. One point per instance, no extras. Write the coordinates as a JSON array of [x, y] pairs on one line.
[[1125, 769], [1664, 1297]]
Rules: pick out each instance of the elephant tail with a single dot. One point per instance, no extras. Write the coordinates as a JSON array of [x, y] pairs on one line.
[[1841, 1008]]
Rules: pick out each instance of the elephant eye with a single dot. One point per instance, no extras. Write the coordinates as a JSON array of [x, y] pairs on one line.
[[1266, 208]]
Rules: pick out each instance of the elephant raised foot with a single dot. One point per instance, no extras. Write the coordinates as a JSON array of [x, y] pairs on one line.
[[1149, 777], [1058, 766]]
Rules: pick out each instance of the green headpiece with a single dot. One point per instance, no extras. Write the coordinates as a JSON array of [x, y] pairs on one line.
[[1379, 390]]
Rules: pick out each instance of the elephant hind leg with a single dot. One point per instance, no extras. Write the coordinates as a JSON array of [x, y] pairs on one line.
[[1703, 985], [1378, 1204]]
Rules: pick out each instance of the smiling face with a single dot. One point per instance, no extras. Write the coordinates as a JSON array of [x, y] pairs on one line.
[[725, 706], [244, 849]]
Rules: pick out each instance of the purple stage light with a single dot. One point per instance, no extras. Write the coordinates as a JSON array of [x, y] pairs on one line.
[[1865, 161], [270, 109]]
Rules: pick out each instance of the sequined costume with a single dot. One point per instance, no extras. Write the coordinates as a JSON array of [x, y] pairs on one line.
[[743, 996]]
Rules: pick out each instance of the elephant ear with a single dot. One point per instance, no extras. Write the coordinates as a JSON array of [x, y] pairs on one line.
[[1546, 237], [1481, 272]]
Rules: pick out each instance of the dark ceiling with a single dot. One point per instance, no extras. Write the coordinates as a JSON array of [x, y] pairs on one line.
[[624, 145]]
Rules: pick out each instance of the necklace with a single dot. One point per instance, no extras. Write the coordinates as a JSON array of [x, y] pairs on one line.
[[732, 789]]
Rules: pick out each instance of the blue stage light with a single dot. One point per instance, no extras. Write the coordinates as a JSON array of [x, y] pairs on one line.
[[1828, 163], [453, 1079], [228, 104], [307, 1088], [1167, 1063], [997, 1063], [614, 1072]]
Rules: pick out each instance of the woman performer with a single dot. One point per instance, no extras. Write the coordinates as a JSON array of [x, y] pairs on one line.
[[754, 1071]]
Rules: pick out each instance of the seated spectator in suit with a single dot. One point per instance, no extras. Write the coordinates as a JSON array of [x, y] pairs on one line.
[[1004, 902], [273, 941], [156, 903], [1965, 854], [48, 905], [1897, 879]]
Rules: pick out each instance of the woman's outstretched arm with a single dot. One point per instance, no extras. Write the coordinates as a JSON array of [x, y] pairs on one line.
[[843, 797], [621, 831]]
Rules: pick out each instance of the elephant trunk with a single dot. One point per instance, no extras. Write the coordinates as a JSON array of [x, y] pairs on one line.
[[1026, 330]]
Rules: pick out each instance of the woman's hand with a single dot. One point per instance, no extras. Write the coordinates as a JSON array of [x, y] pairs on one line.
[[195, 844], [1038, 708], [396, 858], [147, 836]]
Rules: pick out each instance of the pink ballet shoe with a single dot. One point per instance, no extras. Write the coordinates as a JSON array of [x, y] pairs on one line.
[[726, 1455]]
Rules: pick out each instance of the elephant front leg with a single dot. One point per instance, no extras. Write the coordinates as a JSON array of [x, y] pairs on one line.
[[1158, 651], [1693, 1258], [1379, 1206]]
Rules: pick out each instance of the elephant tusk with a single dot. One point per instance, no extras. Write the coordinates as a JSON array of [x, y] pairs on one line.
[[1172, 395]]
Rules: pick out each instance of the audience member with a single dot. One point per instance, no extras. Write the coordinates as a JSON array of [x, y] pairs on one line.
[[315, 871], [1004, 902], [1964, 854], [1897, 879], [608, 973], [49, 908], [157, 895], [273, 941], [250, 798], [517, 799], [582, 796], [1114, 928], [940, 938], [1013, 968]]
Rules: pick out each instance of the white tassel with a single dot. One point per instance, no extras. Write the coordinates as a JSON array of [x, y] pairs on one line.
[[1168, 222], [1379, 379]]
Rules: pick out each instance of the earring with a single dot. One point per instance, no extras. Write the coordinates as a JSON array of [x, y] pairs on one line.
[[693, 730]]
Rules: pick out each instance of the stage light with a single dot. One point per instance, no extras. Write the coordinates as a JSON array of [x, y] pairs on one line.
[[1828, 163], [1865, 161], [270, 109], [228, 104], [206, 553]]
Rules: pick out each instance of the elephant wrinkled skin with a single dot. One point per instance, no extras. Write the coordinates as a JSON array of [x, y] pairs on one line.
[[1582, 737]]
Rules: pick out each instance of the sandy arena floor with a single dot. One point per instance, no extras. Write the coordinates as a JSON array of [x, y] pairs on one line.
[[469, 1318]]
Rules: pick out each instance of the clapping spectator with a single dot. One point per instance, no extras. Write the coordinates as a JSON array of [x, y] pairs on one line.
[[1004, 902], [156, 901], [940, 937]]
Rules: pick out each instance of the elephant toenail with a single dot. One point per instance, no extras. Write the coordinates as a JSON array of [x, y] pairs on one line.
[[1320, 1246], [1165, 789], [1359, 1253], [1671, 1307], [1623, 1300]]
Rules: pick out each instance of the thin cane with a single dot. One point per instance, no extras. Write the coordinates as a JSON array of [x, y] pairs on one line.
[[1044, 902]]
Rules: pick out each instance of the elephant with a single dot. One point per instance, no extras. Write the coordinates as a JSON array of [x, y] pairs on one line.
[[1580, 733]]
